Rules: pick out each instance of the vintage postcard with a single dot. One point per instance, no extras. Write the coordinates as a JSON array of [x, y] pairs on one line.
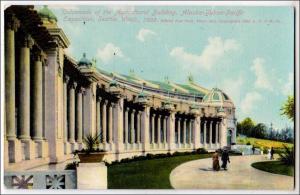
[[164, 96]]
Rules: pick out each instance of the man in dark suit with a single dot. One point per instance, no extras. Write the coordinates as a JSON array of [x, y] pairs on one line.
[[225, 159]]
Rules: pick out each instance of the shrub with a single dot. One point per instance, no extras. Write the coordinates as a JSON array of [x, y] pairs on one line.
[[287, 156], [201, 151], [248, 143], [71, 166]]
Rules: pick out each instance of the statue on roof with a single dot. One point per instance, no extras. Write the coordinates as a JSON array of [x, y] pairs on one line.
[[191, 78]]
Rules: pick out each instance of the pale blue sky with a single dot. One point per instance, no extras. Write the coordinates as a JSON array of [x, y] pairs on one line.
[[251, 62]]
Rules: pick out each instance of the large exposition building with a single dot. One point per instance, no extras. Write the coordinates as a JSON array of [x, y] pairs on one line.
[[52, 101]]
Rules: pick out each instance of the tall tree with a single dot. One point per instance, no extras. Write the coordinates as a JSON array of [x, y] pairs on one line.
[[288, 108], [246, 126]]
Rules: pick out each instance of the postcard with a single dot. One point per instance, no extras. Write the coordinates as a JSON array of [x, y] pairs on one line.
[[149, 97]]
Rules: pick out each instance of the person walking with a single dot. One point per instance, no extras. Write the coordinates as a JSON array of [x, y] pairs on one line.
[[216, 164], [225, 159], [253, 149], [272, 153]]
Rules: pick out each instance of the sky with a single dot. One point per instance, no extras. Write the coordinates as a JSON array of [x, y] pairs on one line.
[[245, 51]]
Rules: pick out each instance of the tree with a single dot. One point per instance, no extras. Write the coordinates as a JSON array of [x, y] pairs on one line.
[[259, 131], [288, 108], [246, 126]]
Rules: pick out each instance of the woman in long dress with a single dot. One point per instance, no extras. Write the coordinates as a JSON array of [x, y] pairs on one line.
[[216, 164]]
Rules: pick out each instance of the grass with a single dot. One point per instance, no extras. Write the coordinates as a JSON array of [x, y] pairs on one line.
[[276, 167], [146, 174], [263, 143]]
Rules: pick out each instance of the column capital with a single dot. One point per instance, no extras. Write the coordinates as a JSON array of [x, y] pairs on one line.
[[153, 115], [11, 22], [26, 41], [127, 109], [38, 55], [99, 98], [133, 111], [105, 102], [159, 116], [112, 105], [80, 89], [66, 79], [140, 112], [73, 84]]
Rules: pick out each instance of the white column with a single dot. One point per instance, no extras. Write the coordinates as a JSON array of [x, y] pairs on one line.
[[110, 123], [98, 115], [223, 133], [165, 129], [37, 96], [24, 88], [104, 127], [138, 127], [66, 80], [79, 115], [72, 112], [179, 131], [11, 26], [126, 125], [153, 129], [132, 134], [184, 131], [159, 129], [197, 132], [145, 129], [118, 127], [171, 131]]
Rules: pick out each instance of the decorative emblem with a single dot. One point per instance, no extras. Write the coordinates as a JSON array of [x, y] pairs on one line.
[[22, 182], [55, 182]]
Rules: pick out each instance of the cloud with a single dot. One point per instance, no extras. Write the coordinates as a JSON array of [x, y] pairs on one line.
[[143, 34], [263, 81], [288, 87], [108, 52], [215, 50], [250, 101], [232, 87]]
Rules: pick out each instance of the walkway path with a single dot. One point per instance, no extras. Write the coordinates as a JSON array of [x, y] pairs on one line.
[[198, 174]]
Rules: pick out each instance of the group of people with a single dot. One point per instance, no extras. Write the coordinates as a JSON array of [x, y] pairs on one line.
[[224, 159]]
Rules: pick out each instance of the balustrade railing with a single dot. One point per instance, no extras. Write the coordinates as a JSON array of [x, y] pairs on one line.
[[65, 179]]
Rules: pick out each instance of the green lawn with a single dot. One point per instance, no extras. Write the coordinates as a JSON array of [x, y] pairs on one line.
[[276, 167], [146, 174]]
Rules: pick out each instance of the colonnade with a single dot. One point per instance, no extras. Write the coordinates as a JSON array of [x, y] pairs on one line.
[[23, 91]]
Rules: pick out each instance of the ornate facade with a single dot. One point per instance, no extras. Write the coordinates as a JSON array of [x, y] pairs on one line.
[[52, 101]]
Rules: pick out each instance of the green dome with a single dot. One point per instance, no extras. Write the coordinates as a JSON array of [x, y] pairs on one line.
[[84, 61], [45, 12], [216, 95]]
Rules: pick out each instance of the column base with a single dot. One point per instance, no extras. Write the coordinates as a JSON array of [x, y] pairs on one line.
[[92, 176], [6, 154], [67, 148], [74, 147]]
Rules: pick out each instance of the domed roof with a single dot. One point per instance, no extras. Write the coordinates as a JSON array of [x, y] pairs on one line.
[[217, 96], [45, 12], [84, 61]]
